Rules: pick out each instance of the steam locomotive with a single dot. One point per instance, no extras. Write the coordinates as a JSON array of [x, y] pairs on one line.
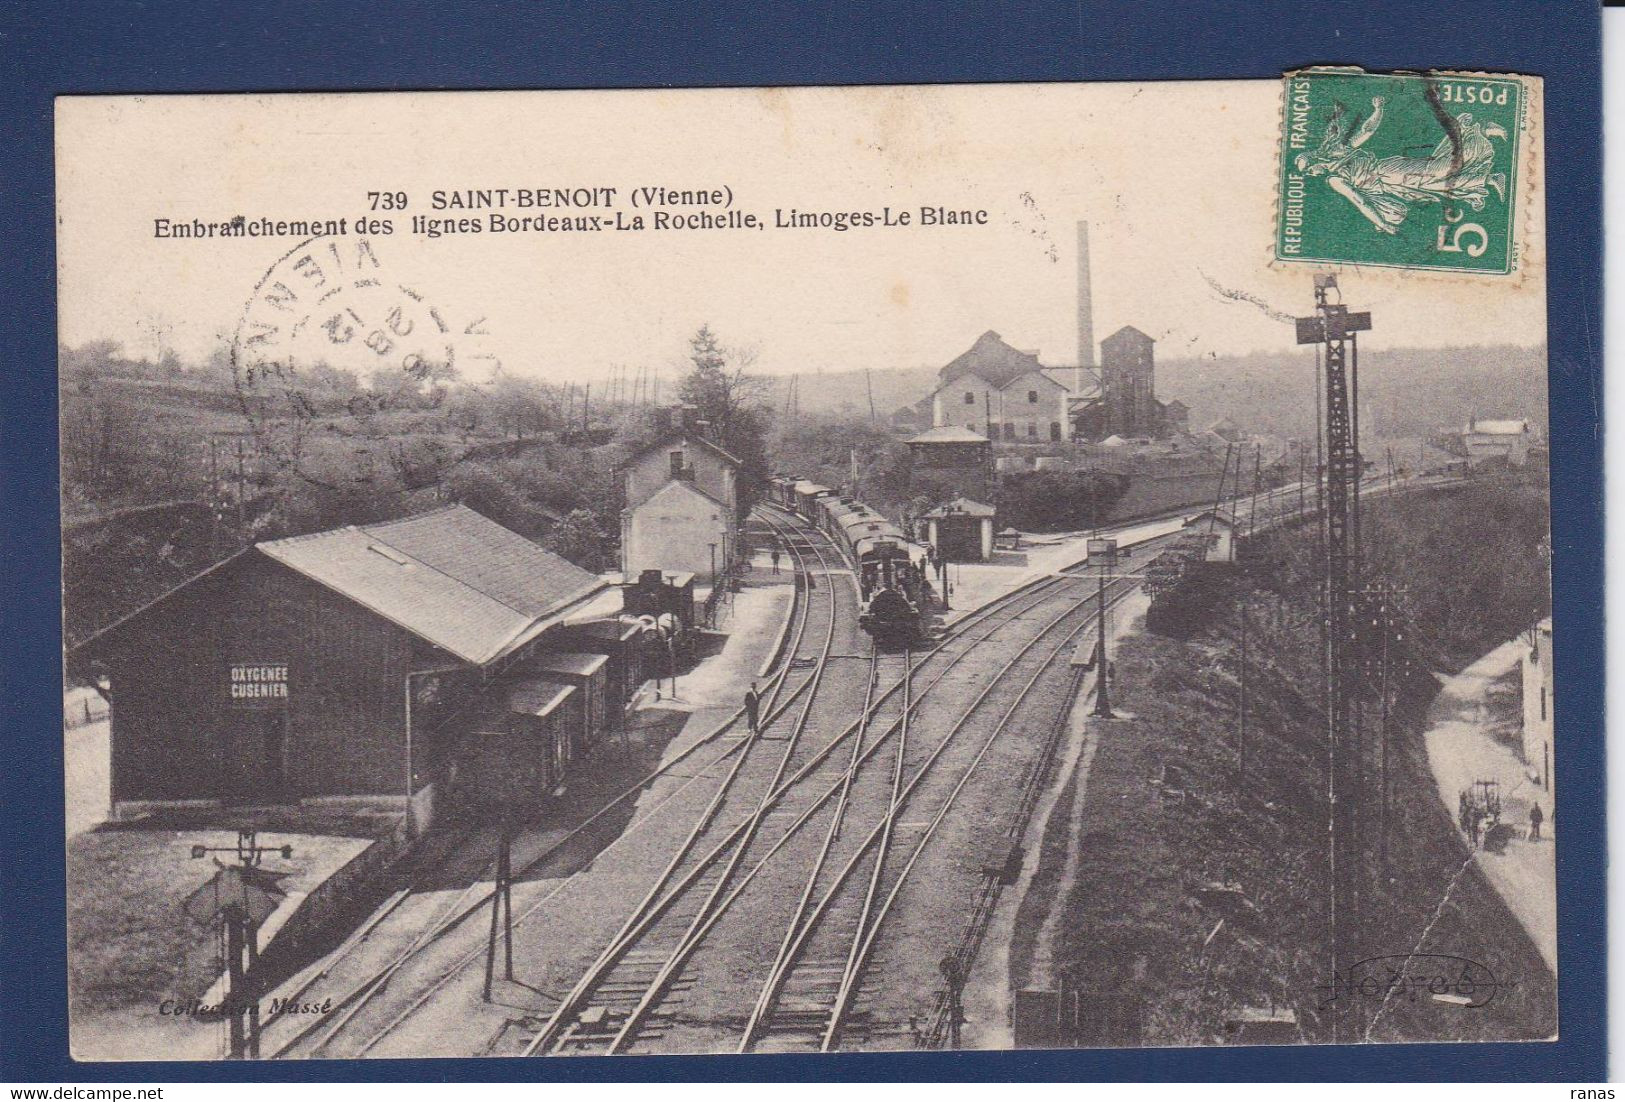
[[891, 581]]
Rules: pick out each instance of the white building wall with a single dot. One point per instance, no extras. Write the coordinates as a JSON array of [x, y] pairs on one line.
[[673, 531], [651, 471], [1050, 408], [949, 407], [1483, 446], [1538, 713]]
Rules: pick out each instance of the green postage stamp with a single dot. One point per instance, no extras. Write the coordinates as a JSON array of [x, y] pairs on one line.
[[1401, 170]]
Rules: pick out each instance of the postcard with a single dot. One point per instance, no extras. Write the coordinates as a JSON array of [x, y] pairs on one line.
[[753, 570]]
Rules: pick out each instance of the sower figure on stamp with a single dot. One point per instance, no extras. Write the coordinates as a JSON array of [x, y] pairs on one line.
[[1382, 189], [753, 704]]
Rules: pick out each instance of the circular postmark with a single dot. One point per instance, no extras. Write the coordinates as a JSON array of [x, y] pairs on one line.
[[331, 349]]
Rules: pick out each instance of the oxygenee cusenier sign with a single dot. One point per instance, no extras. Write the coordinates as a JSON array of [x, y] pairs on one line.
[[257, 684]]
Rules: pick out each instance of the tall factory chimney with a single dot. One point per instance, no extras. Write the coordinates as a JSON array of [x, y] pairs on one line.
[[1086, 321]]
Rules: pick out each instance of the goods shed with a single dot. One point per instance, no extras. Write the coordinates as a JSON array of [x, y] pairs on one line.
[[341, 667]]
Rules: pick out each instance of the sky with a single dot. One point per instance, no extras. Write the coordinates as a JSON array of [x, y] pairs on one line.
[[1176, 181]]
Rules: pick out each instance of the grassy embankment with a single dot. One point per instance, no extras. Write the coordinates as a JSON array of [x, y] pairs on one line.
[[1140, 923]]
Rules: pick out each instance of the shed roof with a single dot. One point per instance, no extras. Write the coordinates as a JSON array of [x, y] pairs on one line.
[[960, 507], [948, 434], [575, 665], [450, 576], [1498, 428], [537, 696]]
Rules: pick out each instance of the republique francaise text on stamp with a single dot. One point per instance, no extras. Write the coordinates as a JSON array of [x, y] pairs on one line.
[[1401, 170]]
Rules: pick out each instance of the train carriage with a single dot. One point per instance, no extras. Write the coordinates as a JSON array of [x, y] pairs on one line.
[[891, 584], [807, 495], [783, 490]]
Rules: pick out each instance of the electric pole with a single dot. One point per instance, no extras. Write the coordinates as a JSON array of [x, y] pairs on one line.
[[1332, 328], [1386, 637], [1241, 709], [501, 908]]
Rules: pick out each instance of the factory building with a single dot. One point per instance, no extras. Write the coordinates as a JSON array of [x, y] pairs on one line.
[[380, 666], [1007, 395]]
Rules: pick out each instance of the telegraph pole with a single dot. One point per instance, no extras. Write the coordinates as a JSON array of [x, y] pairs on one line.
[[501, 907], [1382, 604], [1332, 328], [242, 490], [1241, 707], [230, 900]]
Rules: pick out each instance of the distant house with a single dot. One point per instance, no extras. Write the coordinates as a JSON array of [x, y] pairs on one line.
[[1538, 724], [681, 497], [911, 419], [686, 456], [1221, 529], [1499, 439], [1005, 394], [1178, 415]]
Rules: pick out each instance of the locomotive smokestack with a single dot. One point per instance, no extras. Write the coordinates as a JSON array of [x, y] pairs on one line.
[[1086, 321]]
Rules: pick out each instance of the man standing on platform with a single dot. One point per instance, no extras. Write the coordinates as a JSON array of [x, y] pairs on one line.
[[753, 703]]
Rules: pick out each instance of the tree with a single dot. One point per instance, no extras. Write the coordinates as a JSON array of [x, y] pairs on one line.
[[578, 538], [732, 402]]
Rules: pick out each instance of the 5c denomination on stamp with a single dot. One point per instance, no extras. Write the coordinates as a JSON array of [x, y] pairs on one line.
[[1401, 170]]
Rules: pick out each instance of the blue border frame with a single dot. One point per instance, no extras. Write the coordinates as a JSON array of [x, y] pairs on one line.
[[114, 46]]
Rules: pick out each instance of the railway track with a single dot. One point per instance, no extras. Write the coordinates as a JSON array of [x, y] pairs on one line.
[[369, 1011], [615, 1007], [318, 1038], [642, 958], [815, 997]]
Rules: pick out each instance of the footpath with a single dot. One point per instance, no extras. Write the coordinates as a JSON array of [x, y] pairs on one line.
[[1462, 747]]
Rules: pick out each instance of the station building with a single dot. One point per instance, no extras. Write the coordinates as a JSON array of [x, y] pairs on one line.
[[683, 508], [372, 666]]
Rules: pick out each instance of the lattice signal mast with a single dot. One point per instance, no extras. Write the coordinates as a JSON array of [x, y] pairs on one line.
[[1333, 326]]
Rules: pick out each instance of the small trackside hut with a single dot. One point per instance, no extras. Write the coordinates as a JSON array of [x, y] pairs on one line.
[[366, 667], [961, 530]]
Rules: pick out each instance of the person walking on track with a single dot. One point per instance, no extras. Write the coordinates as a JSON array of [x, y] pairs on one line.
[[753, 704], [775, 560], [1536, 817]]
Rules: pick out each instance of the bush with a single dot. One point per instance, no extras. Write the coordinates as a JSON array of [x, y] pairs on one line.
[[1050, 501]]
